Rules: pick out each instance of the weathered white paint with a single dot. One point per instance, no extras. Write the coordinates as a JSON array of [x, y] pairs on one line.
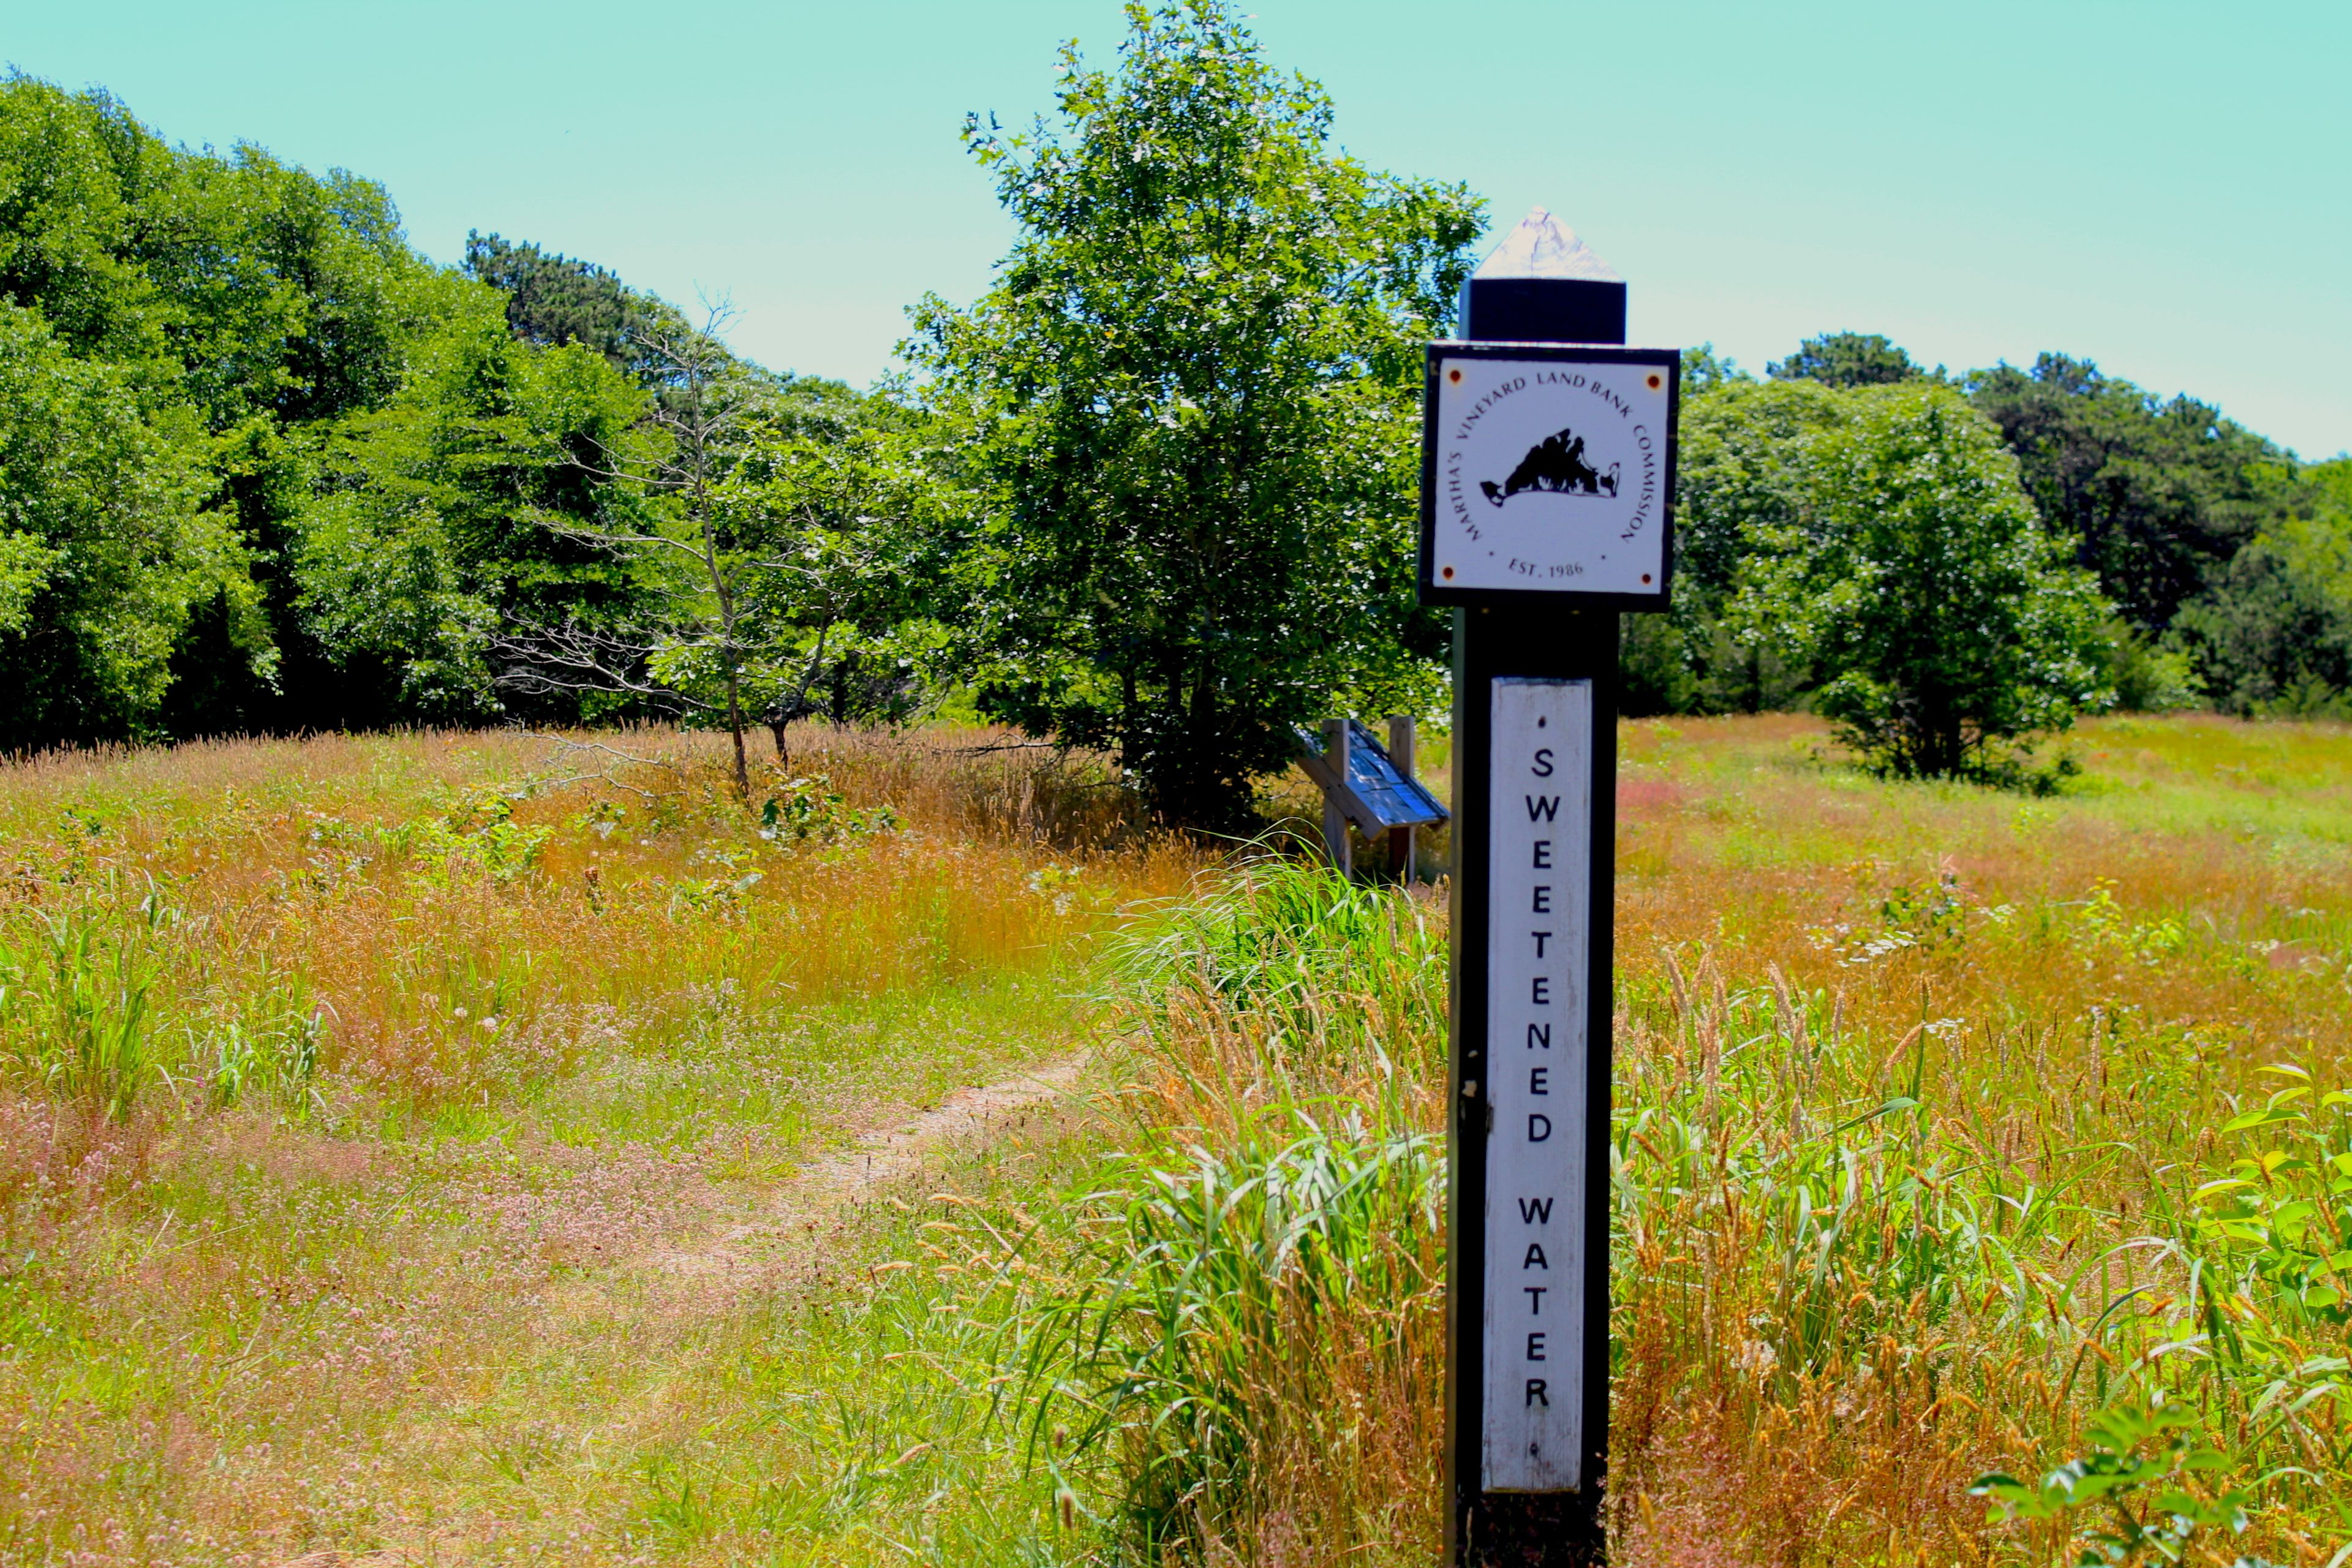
[[1539, 901]]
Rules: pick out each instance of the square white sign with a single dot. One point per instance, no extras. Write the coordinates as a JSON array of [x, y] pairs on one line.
[[1548, 470]]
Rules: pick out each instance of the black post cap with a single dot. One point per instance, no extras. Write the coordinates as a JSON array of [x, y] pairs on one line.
[[1543, 285]]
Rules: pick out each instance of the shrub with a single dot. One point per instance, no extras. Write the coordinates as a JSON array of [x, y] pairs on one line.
[[1920, 585]]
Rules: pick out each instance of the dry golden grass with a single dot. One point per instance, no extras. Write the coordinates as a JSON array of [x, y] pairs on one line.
[[2079, 993], [1921, 1089], [443, 1036]]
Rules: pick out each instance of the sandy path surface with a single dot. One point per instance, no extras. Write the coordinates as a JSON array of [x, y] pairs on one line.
[[787, 1239], [817, 1201]]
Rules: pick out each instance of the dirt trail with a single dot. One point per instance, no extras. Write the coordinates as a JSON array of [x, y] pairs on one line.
[[816, 1203], [787, 1234]]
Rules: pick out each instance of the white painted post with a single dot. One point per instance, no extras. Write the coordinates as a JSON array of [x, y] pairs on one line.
[[1547, 481], [1540, 922]]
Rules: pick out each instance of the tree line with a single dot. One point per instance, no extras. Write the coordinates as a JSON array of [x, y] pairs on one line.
[[266, 468], [2219, 559]]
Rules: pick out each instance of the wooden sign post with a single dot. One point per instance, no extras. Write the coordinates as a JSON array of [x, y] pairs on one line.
[[1547, 492]]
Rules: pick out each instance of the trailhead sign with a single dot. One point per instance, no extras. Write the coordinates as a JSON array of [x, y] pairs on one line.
[[1548, 471], [1540, 922]]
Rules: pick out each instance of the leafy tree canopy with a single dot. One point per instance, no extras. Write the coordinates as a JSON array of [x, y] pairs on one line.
[[268, 467], [1745, 470], [104, 545], [2154, 495], [263, 466], [1744, 465], [1921, 584], [222, 302], [1704, 370], [553, 299], [1191, 405], [2206, 538], [445, 516], [1846, 360], [2274, 635]]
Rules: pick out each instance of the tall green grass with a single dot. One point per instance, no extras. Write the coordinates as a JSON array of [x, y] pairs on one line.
[[1848, 1263], [90, 1016], [77, 997], [1811, 1221], [1253, 1281]]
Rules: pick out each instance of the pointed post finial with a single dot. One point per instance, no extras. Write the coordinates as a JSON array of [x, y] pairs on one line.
[[1543, 284], [1543, 247]]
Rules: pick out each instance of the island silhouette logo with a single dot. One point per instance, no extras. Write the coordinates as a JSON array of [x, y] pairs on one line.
[[1554, 465]]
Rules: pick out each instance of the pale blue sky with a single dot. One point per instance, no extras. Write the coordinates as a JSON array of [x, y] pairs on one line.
[[2166, 188]]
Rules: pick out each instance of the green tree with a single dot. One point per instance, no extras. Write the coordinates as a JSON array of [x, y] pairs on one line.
[[554, 300], [1745, 468], [2274, 633], [1847, 359], [696, 421], [1745, 464], [777, 564], [831, 550], [2153, 496], [105, 546], [1704, 371], [1919, 583], [253, 302], [1192, 402], [440, 521], [376, 468]]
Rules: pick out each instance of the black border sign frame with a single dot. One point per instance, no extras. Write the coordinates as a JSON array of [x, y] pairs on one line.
[[1523, 1529], [1434, 593]]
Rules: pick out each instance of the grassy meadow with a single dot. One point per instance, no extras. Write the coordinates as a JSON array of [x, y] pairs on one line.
[[372, 1104], [444, 1149]]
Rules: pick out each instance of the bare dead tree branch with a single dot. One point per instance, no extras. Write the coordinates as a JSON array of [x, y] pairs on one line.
[[544, 660], [1012, 746], [562, 748]]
